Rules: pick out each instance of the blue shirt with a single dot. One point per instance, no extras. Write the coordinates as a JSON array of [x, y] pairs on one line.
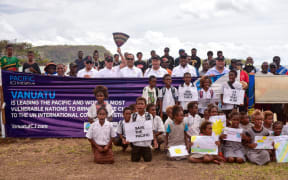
[[215, 72]]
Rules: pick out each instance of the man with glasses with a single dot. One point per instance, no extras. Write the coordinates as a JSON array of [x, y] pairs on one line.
[[184, 67], [279, 69], [110, 71], [165, 65], [130, 70], [219, 68], [88, 71], [156, 70], [249, 66], [169, 58]]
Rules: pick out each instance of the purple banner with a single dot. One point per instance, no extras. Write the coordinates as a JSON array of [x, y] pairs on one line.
[[50, 106]]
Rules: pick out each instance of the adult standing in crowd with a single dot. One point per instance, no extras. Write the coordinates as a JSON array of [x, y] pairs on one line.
[[140, 63], [170, 59], [279, 69], [177, 60], [73, 70], [195, 60], [205, 68], [210, 59], [184, 67], [110, 71], [264, 69], [80, 61], [117, 61], [97, 63], [249, 66], [165, 65], [156, 70], [219, 69], [88, 71], [31, 66], [130, 70], [9, 62], [60, 69], [50, 69], [149, 62]]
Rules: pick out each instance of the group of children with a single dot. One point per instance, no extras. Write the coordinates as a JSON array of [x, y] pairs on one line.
[[174, 125]]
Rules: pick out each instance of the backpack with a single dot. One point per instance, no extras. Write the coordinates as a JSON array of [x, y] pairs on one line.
[[147, 116], [173, 90]]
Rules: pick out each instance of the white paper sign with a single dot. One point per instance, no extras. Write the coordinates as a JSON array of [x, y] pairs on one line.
[[264, 142], [218, 125], [281, 148], [176, 151], [233, 134], [139, 131], [233, 96], [204, 145], [188, 94]]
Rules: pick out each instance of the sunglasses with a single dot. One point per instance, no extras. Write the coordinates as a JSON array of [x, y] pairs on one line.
[[249, 64], [130, 59], [89, 62]]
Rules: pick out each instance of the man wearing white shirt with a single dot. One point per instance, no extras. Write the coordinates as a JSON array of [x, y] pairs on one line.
[[155, 70], [109, 71], [130, 70], [184, 67], [88, 71]]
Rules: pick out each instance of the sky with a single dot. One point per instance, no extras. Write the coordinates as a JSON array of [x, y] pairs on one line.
[[240, 28]]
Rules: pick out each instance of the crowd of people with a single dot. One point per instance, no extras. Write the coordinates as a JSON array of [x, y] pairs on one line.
[[176, 113]]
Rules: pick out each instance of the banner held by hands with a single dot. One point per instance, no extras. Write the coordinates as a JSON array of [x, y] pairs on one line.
[[120, 38]]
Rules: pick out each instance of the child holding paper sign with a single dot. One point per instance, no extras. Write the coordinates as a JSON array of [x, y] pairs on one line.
[[193, 120], [100, 135], [101, 93], [205, 130], [257, 156], [176, 132], [233, 151], [277, 130], [231, 84]]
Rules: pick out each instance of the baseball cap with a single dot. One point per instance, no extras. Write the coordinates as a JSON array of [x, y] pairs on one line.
[[109, 59], [184, 55], [181, 50]]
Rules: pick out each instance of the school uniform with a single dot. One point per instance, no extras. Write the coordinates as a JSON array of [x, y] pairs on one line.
[[158, 126], [92, 110], [169, 97], [194, 124], [133, 72], [120, 131], [141, 148], [179, 71], [186, 94], [168, 121], [246, 127], [233, 149], [176, 135], [205, 98], [93, 73], [109, 73], [102, 135], [257, 156], [237, 85], [150, 95], [159, 73]]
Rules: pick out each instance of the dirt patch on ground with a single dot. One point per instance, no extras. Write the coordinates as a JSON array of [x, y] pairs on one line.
[[71, 158]]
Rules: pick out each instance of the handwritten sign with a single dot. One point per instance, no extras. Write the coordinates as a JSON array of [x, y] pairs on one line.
[[264, 142], [281, 148], [233, 96], [218, 125], [176, 151], [233, 134], [204, 145], [139, 131], [188, 94]]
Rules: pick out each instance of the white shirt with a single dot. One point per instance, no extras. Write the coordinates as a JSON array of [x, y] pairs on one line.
[[101, 134], [261, 73], [131, 72], [92, 73], [142, 118], [92, 110], [237, 85], [167, 99], [168, 121], [194, 124], [179, 71], [150, 94], [121, 127], [109, 73], [205, 98], [187, 93], [157, 73], [158, 125]]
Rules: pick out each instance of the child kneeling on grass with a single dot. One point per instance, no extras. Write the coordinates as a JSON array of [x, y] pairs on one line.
[[100, 135], [205, 130]]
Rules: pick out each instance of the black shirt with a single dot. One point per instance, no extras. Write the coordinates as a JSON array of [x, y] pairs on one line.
[[141, 65], [196, 62], [35, 66], [80, 64], [177, 61], [170, 60]]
